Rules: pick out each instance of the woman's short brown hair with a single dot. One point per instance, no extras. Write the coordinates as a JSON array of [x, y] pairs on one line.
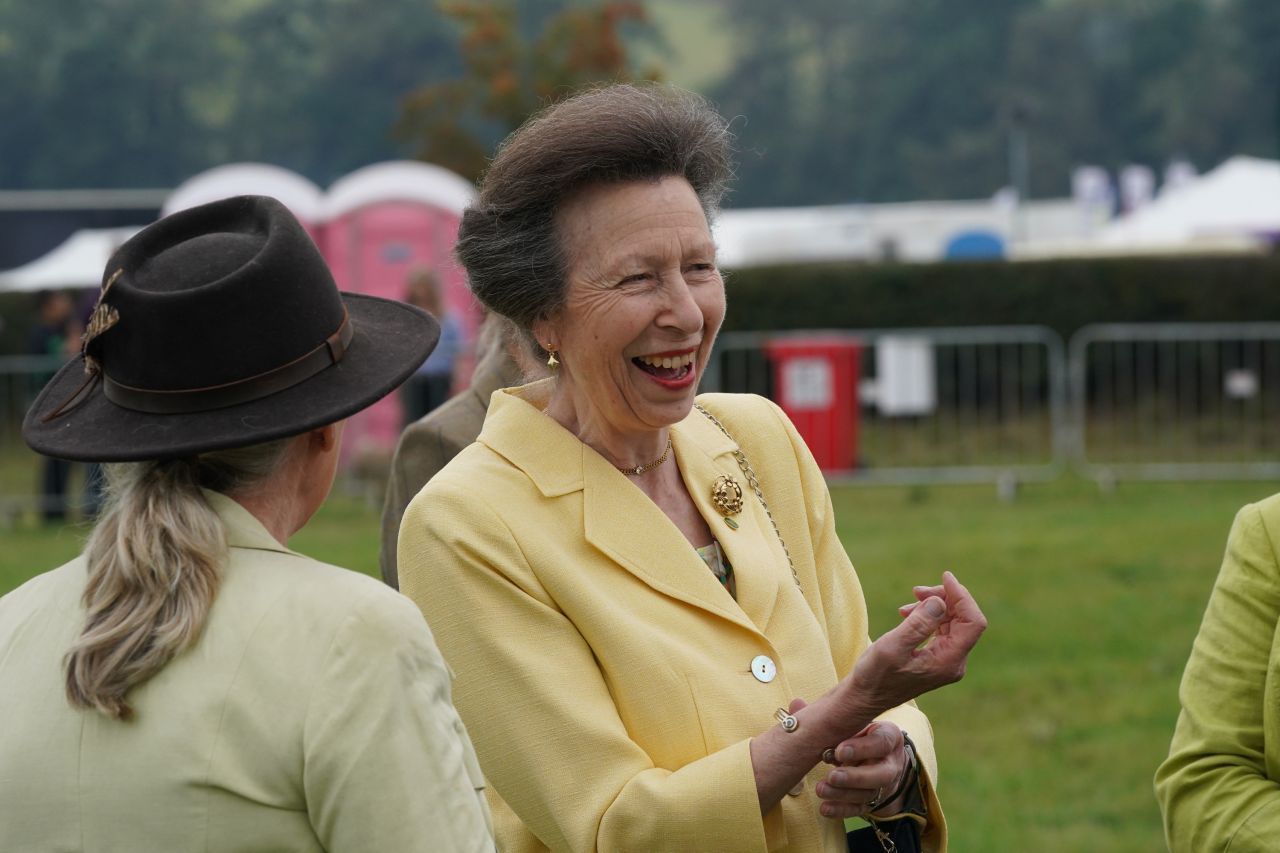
[[507, 240]]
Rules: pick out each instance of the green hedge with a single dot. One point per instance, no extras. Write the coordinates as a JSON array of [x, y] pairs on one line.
[[1061, 294]]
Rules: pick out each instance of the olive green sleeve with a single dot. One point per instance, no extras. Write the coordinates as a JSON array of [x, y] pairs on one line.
[[1215, 790]]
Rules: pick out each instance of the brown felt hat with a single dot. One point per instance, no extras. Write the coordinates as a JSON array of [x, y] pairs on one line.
[[221, 326]]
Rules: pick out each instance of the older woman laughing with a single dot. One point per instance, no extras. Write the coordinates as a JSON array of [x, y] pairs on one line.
[[640, 588]]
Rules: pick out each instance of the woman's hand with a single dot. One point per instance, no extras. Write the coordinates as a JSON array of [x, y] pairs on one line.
[[870, 766], [894, 669], [927, 650]]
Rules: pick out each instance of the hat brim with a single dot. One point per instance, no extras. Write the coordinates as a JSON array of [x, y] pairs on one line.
[[390, 341]]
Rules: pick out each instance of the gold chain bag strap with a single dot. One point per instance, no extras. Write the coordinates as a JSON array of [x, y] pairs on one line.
[[754, 483], [863, 838]]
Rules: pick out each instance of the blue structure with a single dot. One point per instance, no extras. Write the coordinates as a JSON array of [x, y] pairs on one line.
[[975, 246]]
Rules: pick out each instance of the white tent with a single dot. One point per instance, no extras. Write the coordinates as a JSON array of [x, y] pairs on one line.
[[1237, 201], [77, 263], [918, 231]]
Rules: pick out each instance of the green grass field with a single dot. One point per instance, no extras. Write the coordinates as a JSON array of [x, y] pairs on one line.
[[1093, 600], [1050, 742]]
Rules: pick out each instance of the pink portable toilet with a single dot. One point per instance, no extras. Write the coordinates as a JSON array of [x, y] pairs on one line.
[[293, 191], [380, 223]]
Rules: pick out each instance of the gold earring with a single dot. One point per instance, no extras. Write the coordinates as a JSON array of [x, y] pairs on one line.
[[552, 361]]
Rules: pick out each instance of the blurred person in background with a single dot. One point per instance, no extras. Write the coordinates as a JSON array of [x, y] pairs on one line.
[[1219, 789], [95, 484], [430, 442], [189, 683], [639, 589], [430, 384], [56, 332]]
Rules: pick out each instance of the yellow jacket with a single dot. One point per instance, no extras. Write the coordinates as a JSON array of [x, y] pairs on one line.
[[1219, 789], [603, 672], [312, 714]]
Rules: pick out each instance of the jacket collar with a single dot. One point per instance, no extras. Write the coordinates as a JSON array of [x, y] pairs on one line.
[[517, 429], [625, 524], [243, 528]]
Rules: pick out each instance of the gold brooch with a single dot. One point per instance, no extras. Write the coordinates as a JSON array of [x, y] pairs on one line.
[[726, 494]]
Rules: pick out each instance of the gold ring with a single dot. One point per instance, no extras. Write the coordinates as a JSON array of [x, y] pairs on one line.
[[788, 720]]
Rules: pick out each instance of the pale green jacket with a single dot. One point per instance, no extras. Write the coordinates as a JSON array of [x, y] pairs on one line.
[[313, 714], [1219, 789]]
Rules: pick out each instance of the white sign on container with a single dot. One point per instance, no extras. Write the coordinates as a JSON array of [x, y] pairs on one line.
[[906, 381], [807, 384]]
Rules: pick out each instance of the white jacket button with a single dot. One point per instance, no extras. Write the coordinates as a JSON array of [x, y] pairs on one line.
[[763, 668]]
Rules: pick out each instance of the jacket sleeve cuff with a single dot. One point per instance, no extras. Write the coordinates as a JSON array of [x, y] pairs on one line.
[[714, 797]]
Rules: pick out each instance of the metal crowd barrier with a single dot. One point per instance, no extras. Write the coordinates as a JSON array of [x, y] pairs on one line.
[[1001, 404], [1176, 401], [983, 404]]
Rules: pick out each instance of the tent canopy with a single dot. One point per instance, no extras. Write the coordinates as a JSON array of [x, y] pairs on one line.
[[1239, 199], [77, 263]]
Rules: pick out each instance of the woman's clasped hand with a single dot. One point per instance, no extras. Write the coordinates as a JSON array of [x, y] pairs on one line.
[[927, 650]]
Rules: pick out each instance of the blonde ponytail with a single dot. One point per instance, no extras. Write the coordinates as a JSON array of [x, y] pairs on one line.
[[154, 563]]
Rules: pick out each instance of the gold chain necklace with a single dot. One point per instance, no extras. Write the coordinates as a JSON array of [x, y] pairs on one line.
[[640, 469]]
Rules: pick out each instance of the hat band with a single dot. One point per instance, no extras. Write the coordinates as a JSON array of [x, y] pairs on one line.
[[190, 400]]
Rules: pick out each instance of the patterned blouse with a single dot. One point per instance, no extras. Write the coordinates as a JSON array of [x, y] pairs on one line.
[[714, 557]]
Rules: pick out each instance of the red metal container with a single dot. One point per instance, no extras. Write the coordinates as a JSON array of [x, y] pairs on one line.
[[815, 381]]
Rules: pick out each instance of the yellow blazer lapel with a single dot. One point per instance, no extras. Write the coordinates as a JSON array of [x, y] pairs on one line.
[[516, 429], [618, 519], [705, 453], [631, 530]]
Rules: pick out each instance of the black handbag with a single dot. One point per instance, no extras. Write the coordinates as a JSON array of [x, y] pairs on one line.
[[894, 836]]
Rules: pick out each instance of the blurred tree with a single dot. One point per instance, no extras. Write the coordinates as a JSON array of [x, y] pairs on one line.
[[888, 100], [320, 80], [1257, 28], [135, 93], [933, 78], [878, 100], [509, 76], [90, 89], [1123, 81], [834, 101]]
